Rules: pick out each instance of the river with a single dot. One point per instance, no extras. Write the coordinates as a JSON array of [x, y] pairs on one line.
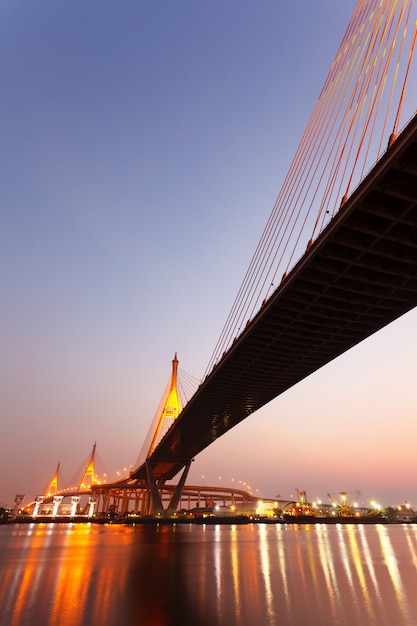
[[225, 575]]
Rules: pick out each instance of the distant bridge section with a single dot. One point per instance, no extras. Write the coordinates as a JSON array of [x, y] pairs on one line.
[[358, 276]]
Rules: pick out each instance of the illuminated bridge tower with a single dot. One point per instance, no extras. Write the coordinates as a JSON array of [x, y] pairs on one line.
[[144, 476], [171, 408], [50, 491], [88, 478], [167, 413], [52, 487], [146, 488]]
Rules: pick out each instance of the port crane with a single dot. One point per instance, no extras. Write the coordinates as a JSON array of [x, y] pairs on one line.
[[343, 508]]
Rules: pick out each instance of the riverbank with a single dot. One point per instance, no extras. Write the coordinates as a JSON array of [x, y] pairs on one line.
[[210, 520]]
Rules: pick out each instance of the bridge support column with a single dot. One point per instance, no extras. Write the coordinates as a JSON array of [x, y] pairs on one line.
[[75, 500], [38, 502], [57, 502], [156, 501], [92, 505], [157, 506], [17, 504], [176, 497]]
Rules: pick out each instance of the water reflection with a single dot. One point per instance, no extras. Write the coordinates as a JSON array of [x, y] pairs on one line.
[[86, 575], [392, 565], [234, 561], [285, 599], [328, 569], [264, 548]]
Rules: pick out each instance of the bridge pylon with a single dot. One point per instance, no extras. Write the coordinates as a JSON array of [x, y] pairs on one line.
[[146, 485], [170, 409], [88, 478], [52, 487], [146, 478], [168, 413], [154, 504]]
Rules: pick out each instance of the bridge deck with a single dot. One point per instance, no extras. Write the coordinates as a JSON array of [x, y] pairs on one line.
[[357, 277]]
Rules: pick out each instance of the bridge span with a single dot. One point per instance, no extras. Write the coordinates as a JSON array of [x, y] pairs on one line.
[[359, 275]]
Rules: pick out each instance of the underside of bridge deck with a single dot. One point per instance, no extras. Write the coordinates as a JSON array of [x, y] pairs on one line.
[[357, 277]]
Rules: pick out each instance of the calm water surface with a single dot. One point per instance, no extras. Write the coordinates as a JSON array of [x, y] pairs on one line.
[[257, 575]]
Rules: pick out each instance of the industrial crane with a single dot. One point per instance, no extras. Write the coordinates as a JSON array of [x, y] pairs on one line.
[[343, 508]]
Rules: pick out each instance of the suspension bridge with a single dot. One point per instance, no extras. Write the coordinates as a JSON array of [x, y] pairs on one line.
[[337, 260]]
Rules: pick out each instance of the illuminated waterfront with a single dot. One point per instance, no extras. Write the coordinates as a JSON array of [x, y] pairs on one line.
[[79, 575]]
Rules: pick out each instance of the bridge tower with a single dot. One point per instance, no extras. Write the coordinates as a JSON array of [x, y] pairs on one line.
[[171, 407], [52, 486], [88, 478], [150, 481], [169, 410], [145, 483]]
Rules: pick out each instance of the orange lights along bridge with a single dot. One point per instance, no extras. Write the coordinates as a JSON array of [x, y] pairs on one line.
[[359, 275]]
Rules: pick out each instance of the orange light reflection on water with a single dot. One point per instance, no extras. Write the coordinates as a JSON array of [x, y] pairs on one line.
[[285, 606], [58, 583], [264, 548], [85, 575], [328, 568], [391, 563], [361, 576], [235, 570]]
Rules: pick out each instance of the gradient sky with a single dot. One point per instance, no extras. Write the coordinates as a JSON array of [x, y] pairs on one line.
[[143, 144]]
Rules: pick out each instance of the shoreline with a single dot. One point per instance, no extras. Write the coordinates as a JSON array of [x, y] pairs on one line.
[[210, 521]]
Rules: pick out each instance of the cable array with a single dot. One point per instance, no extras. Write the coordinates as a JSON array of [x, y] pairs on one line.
[[356, 117], [187, 386]]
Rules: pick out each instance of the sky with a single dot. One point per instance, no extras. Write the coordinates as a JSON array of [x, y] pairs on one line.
[[143, 144]]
